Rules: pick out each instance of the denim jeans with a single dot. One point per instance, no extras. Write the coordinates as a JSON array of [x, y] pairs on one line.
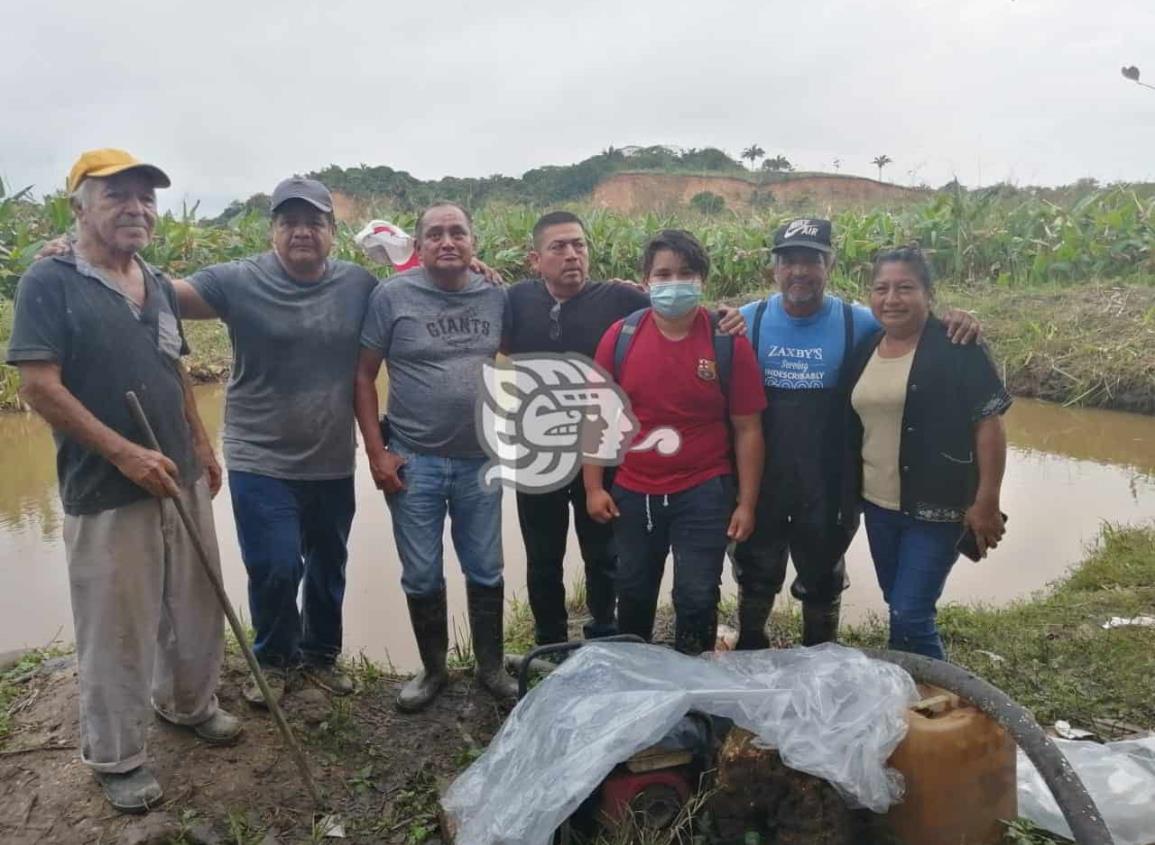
[[693, 523], [544, 520], [289, 530], [912, 559], [436, 486]]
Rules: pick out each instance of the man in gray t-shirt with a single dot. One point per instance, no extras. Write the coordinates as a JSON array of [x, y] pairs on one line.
[[294, 341], [294, 318], [435, 327]]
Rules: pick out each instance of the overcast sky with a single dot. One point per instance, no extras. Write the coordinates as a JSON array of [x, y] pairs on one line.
[[229, 97]]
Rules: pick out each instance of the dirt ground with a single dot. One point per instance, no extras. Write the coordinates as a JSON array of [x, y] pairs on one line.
[[639, 192], [378, 769]]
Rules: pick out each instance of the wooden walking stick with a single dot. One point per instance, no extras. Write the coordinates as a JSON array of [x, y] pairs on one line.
[[235, 623]]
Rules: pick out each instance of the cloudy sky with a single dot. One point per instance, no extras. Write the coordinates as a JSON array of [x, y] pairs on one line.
[[230, 96]]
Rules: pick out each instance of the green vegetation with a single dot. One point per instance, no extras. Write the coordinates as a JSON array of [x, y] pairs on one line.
[[1090, 345], [541, 186], [1002, 236], [1045, 269], [12, 684], [1050, 653], [708, 203]]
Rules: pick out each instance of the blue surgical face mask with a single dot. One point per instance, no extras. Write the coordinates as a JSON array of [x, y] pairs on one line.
[[676, 298]]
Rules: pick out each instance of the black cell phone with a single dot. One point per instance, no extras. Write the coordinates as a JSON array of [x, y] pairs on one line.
[[968, 543], [385, 430]]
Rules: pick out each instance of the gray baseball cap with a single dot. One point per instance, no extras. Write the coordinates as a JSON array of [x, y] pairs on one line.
[[300, 188]]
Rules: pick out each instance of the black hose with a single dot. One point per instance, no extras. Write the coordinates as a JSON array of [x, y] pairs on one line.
[[1078, 808]]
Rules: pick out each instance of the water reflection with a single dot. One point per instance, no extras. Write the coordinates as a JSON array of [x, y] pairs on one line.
[[1069, 469], [1105, 437]]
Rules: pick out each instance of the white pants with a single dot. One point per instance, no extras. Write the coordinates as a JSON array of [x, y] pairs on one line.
[[147, 621]]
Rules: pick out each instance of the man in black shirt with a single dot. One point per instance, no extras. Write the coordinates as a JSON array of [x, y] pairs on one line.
[[562, 311]]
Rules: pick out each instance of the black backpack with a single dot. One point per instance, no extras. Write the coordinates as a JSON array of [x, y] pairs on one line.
[[723, 349]]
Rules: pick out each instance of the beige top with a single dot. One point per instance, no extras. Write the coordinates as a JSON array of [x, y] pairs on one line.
[[879, 399]]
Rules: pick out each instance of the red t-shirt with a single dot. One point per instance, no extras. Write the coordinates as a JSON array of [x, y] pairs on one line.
[[674, 383]]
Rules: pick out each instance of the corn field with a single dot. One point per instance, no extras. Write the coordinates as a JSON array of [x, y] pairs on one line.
[[970, 236]]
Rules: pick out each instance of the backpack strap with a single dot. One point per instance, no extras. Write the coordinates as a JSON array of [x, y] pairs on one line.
[[848, 334], [625, 340], [756, 336], [723, 356]]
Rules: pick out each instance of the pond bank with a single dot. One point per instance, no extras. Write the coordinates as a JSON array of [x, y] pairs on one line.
[[1086, 344], [381, 770]]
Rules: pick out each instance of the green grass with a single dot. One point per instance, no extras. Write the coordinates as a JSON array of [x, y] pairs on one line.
[[1091, 344], [1050, 652], [13, 684]]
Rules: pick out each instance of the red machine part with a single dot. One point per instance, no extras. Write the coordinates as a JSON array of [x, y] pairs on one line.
[[656, 797]]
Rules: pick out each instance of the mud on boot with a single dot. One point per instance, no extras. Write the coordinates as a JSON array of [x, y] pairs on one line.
[[429, 617], [820, 622], [487, 625], [753, 614], [131, 792]]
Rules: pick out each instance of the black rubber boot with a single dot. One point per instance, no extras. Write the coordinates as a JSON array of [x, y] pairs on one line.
[[487, 625], [820, 622], [696, 634], [753, 614], [430, 623]]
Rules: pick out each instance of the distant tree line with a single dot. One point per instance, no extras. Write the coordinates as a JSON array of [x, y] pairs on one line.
[[540, 186]]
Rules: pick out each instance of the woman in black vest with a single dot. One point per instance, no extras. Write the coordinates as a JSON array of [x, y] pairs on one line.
[[929, 429]]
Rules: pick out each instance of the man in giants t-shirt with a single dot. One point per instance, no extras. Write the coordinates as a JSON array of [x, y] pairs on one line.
[[435, 327]]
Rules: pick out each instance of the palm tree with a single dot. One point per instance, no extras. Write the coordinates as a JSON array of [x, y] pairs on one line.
[[777, 163], [753, 153], [837, 164], [1132, 73], [881, 162]]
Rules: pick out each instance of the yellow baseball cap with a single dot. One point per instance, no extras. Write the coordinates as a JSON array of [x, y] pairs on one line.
[[108, 162]]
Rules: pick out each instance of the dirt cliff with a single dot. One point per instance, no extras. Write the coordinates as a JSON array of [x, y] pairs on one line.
[[633, 192]]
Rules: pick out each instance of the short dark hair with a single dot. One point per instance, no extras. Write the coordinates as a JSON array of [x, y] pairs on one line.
[[912, 257], [554, 218], [681, 242], [441, 204]]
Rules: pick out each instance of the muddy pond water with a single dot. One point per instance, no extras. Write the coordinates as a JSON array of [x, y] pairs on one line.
[[1068, 471]]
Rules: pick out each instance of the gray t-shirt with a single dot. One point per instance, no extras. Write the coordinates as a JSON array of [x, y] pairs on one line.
[[289, 406], [68, 313], [434, 343]]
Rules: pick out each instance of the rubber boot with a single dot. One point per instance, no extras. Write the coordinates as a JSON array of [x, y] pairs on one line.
[[753, 614], [430, 623], [486, 623], [697, 634], [820, 622]]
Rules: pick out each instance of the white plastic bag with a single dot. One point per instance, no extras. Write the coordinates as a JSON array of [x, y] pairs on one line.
[[1120, 777], [830, 711], [387, 243]]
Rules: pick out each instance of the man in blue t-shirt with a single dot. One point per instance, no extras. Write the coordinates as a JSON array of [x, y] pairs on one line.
[[808, 508]]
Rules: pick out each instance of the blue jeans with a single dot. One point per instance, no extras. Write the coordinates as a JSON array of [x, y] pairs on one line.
[[912, 559], [691, 522], [289, 530], [435, 486]]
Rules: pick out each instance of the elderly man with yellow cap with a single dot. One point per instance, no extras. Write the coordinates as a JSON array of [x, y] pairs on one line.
[[90, 326]]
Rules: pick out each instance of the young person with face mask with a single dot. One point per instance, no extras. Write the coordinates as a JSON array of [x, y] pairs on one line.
[[679, 373]]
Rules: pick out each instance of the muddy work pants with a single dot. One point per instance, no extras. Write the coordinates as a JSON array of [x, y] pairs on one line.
[[149, 628], [794, 520]]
